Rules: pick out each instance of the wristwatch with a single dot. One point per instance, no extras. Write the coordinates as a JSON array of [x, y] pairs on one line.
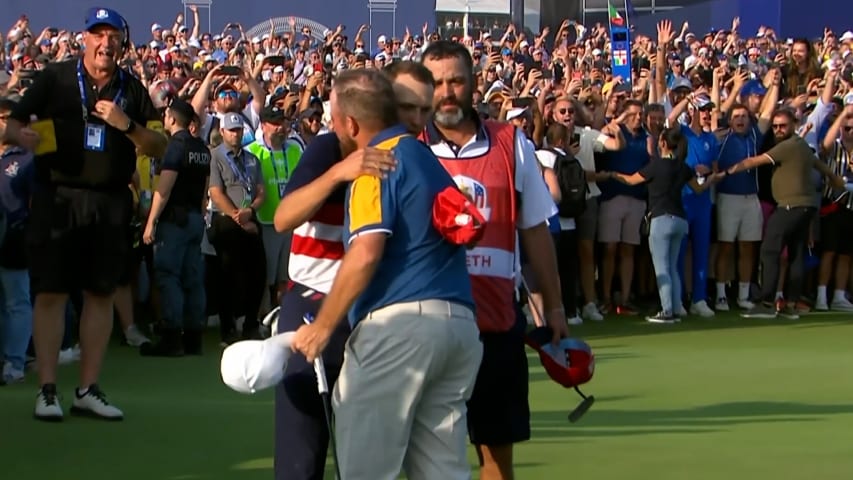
[[130, 128]]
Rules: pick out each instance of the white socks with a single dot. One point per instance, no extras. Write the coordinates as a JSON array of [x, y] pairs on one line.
[[721, 290], [821, 294], [742, 290]]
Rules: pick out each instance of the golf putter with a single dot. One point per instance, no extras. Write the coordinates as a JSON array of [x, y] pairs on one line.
[[587, 401], [323, 390]]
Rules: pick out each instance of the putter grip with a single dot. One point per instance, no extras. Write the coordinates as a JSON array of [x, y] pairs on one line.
[[320, 372]]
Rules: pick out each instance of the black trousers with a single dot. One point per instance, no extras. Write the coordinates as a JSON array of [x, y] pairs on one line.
[[243, 267], [567, 265], [786, 227]]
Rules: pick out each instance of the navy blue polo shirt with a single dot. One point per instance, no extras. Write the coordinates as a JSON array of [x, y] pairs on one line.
[[417, 263], [629, 160], [734, 149], [17, 174]]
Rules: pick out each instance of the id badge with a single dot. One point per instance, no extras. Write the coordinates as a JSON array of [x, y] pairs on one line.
[[282, 186], [247, 200], [95, 137]]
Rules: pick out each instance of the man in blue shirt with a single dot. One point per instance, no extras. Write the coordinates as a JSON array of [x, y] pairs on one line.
[[17, 176], [413, 356]]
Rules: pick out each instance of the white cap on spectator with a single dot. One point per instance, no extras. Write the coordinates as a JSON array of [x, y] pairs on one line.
[[79, 38], [217, 37], [253, 365], [382, 39], [202, 53], [515, 113], [523, 44], [156, 27], [703, 51], [278, 69], [358, 51], [690, 62], [193, 42], [847, 36], [182, 28], [256, 39], [260, 57], [495, 89], [487, 35], [153, 44], [265, 36], [175, 49], [596, 52]]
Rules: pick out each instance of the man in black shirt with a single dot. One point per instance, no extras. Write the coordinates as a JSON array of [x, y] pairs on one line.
[[91, 120], [178, 262]]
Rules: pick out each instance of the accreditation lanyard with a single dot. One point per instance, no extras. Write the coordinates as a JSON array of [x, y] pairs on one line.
[[284, 160], [242, 175], [85, 98]]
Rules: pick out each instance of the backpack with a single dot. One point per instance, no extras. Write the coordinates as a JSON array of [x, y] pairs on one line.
[[571, 178]]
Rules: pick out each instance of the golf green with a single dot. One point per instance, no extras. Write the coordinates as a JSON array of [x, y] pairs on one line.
[[705, 399]]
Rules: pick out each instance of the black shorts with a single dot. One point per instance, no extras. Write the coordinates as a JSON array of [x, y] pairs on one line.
[[77, 239], [499, 412], [836, 230]]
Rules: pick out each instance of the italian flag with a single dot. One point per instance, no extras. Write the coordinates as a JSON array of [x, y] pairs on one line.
[[615, 18]]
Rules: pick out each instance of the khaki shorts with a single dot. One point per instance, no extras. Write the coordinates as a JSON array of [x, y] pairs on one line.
[[619, 220], [739, 217]]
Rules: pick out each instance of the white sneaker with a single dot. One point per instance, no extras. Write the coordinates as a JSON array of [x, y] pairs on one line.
[[590, 312], [94, 403], [47, 405], [744, 304], [69, 355], [11, 375], [821, 305], [722, 305], [702, 309], [576, 320], [134, 337], [841, 305]]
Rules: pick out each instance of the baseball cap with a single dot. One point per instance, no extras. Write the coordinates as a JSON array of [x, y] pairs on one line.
[[232, 121], [753, 87], [703, 102], [681, 82], [104, 16], [254, 365], [515, 113], [272, 114], [570, 363], [456, 218]]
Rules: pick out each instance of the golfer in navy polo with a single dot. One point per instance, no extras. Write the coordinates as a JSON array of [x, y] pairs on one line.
[[413, 355]]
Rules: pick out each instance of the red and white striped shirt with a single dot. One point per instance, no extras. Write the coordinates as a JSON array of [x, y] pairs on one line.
[[317, 248]]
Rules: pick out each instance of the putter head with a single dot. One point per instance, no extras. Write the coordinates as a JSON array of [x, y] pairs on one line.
[[582, 408]]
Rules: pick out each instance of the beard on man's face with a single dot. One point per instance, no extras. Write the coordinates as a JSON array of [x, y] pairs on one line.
[[451, 111]]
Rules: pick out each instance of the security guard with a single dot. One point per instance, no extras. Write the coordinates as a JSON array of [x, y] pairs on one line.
[[277, 157], [178, 262], [91, 116]]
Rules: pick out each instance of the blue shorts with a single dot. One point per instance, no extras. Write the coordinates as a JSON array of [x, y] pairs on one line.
[[301, 436]]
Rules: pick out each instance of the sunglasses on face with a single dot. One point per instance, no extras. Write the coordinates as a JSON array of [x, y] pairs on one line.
[[228, 94], [566, 111], [848, 129]]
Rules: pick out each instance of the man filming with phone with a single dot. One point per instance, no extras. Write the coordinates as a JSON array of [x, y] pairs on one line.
[[584, 143], [219, 85]]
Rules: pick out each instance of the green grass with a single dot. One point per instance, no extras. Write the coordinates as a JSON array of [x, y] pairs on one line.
[[705, 399]]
